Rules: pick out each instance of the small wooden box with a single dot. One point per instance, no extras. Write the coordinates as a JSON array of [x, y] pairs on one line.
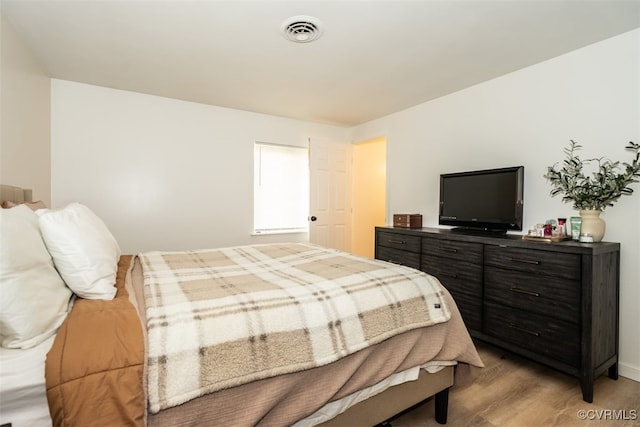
[[407, 220]]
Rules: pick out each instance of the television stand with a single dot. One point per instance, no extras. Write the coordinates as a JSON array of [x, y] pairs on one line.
[[554, 303]]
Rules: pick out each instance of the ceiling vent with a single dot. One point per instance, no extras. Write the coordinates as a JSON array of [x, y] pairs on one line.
[[301, 29]]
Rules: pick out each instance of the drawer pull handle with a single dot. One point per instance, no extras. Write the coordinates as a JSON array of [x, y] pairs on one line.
[[523, 291], [453, 275], [400, 242], [452, 250], [534, 333], [525, 261]]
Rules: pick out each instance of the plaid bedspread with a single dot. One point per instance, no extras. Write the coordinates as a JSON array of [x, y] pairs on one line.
[[224, 317]]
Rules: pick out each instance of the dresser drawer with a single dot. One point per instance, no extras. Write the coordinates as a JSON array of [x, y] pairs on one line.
[[552, 338], [455, 275], [397, 256], [470, 309], [399, 241], [469, 252], [551, 296], [534, 261]]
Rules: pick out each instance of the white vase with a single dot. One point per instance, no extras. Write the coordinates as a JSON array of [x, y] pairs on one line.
[[592, 224]]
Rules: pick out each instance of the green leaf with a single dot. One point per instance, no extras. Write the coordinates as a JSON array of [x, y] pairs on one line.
[[603, 188]]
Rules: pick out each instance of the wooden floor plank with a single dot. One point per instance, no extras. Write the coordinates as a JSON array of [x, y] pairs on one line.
[[515, 392]]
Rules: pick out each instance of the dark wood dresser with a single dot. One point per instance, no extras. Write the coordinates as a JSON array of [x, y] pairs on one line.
[[554, 303]]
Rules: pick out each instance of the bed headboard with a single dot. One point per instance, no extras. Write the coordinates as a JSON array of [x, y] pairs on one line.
[[15, 194]]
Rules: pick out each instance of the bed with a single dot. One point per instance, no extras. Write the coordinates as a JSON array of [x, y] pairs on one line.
[[103, 368]]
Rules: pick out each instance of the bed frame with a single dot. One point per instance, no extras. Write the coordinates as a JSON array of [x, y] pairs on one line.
[[399, 398], [375, 410]]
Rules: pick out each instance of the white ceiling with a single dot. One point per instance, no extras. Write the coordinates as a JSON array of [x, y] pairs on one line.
[[373, 58]]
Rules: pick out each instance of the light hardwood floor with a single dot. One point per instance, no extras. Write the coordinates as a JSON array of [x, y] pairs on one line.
[[513, 392]]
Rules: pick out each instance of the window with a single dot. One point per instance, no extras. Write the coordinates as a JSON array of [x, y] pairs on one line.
[[280, 188]]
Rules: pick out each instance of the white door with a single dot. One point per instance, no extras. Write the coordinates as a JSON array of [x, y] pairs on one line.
[[330, 195]]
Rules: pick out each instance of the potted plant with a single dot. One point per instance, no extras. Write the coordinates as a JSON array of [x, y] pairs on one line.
[[591, 194]]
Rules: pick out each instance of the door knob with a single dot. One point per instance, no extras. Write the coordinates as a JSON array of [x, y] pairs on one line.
[[312, 218]]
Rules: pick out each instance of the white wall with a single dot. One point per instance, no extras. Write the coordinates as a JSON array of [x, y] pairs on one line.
[[591, 95], [164, 174], [168, 174], [24, 123]]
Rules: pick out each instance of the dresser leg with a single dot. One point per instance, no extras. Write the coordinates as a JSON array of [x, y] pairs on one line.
[[587, 389], [613, 371]]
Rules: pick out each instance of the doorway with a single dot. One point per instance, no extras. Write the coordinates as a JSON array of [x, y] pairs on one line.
[[369, 194]]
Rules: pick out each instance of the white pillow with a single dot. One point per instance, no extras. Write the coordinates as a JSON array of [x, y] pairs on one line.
[[33, 298], [84, 251]]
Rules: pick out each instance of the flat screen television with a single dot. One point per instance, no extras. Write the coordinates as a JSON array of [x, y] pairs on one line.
[[488, 200]]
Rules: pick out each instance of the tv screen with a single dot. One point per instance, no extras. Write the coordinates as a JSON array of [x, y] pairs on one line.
[[488, 200]]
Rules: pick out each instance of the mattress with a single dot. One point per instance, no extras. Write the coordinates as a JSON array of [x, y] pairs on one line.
[[23, 401]]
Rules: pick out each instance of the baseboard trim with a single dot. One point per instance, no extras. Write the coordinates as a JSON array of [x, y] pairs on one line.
[[628, 371]]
